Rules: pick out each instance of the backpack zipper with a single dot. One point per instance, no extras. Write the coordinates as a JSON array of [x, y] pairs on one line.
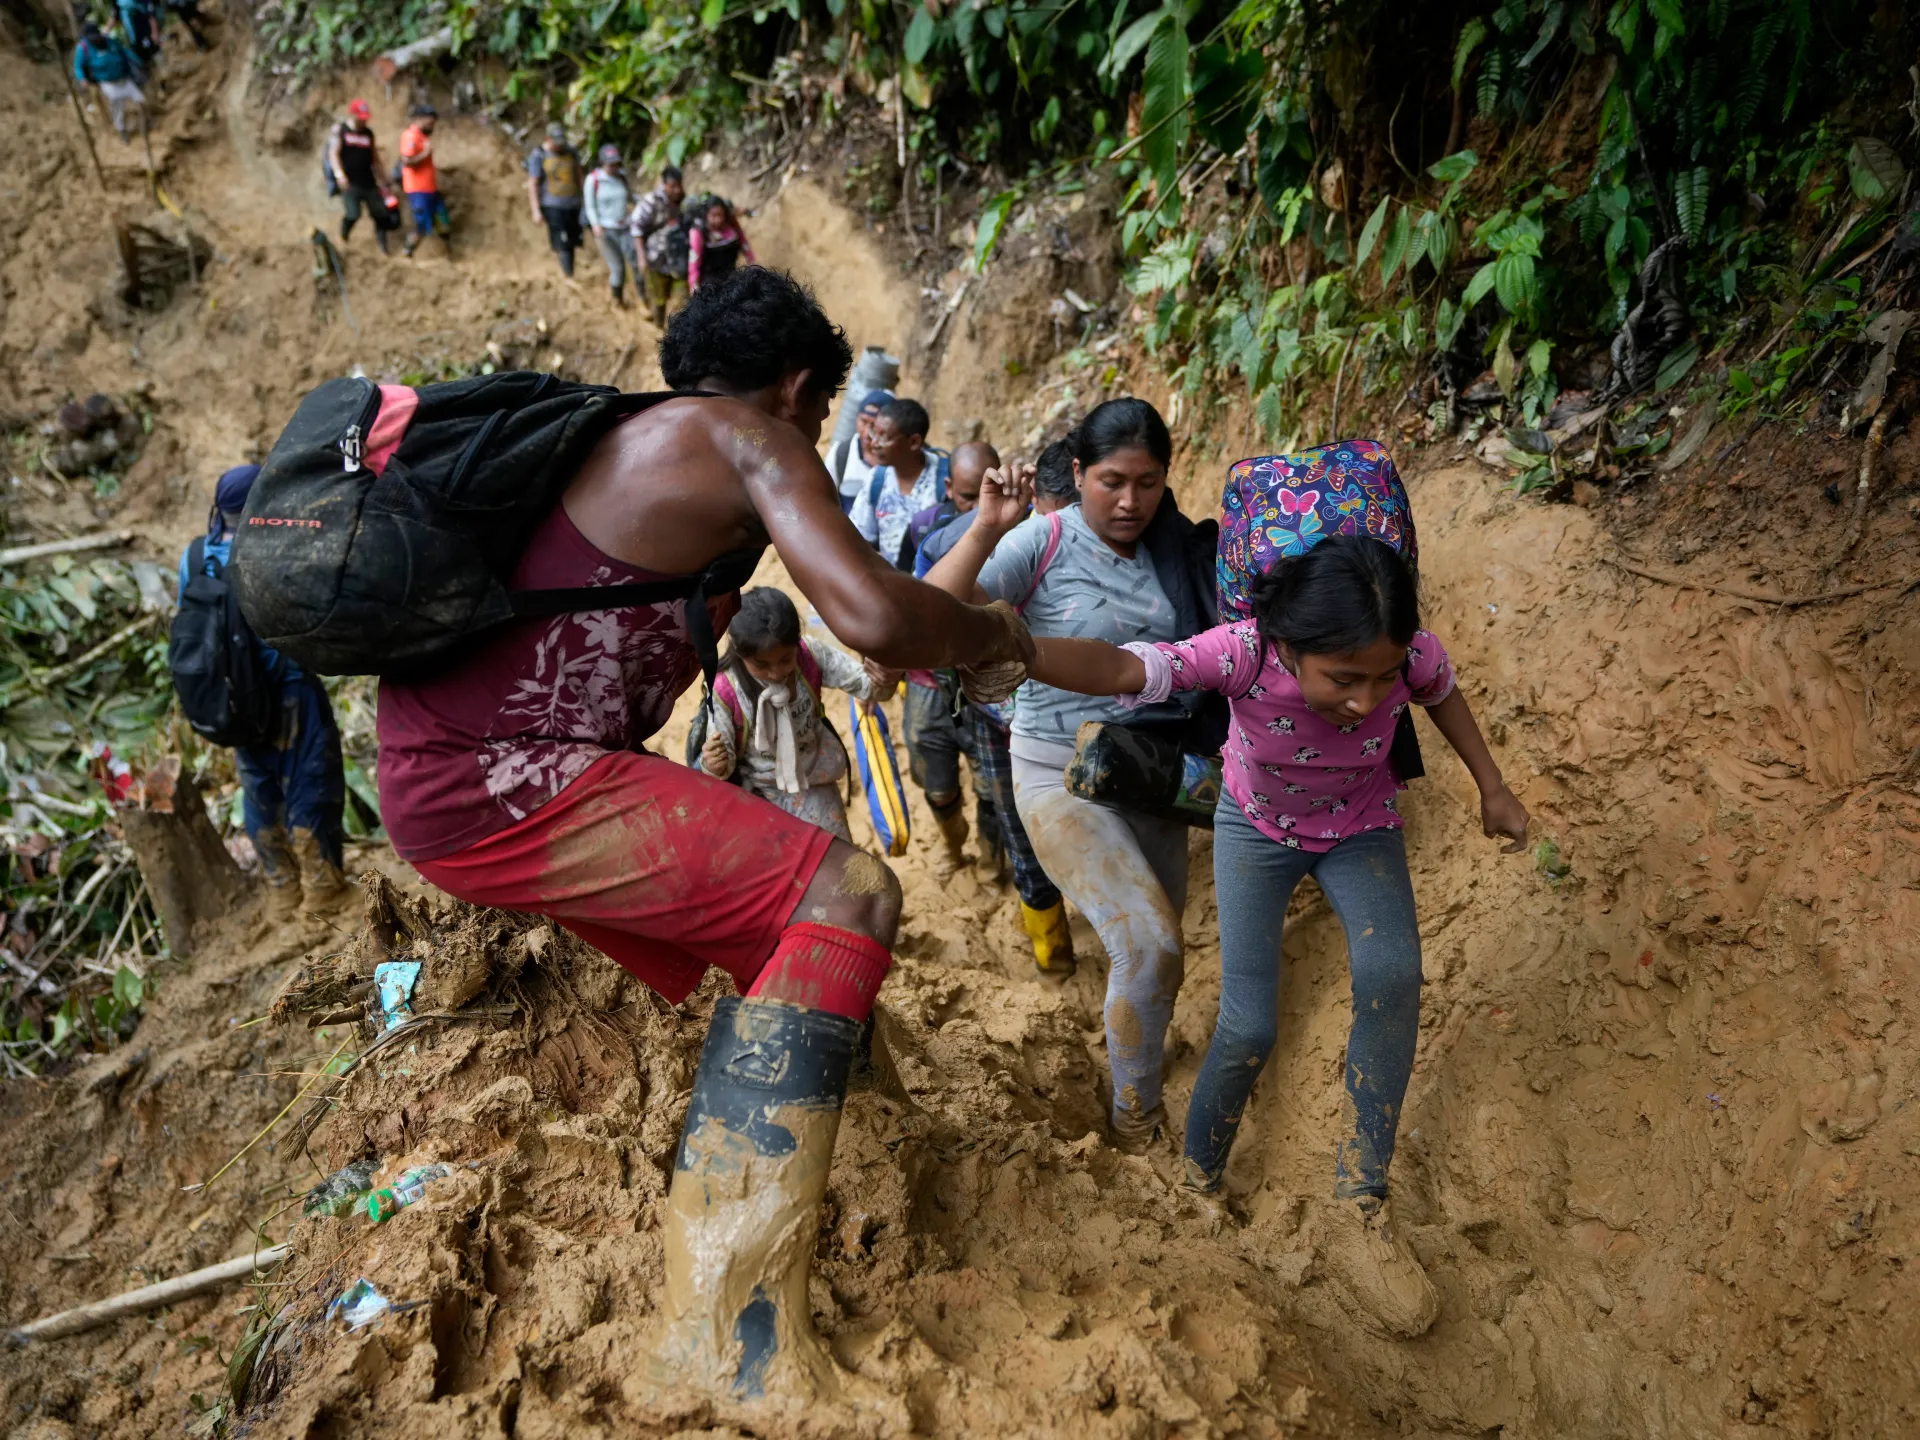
[[353, 440]]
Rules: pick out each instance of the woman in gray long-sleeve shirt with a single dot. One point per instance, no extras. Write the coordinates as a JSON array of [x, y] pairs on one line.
[[1089, 576]]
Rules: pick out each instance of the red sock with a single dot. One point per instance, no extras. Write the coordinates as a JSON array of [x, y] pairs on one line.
[[824, 968]]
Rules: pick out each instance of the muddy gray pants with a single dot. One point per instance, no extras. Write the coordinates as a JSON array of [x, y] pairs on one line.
[[1127, 874]]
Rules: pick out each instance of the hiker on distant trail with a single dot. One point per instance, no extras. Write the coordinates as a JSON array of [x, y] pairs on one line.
[[294, 786], [1043, 915], [354, 160], [935, 739], [140, 22], [605, 205], [1121, 565], [909, 478], [518, 777], [851, 462], [662, 243], [104, 60], [420, 179], [716, 246], [1317, 682], [554, 193], [767, 718]]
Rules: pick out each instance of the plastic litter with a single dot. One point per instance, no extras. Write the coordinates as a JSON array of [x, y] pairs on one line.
[[341, 1192], [389, 1200], [359, 1305], [394, 980]]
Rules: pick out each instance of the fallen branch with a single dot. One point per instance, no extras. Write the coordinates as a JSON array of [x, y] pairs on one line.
[[1338, 381], [20, 553], [46, 679], [148, 1297], [1862, 490], [947, 314], [1761, 597]]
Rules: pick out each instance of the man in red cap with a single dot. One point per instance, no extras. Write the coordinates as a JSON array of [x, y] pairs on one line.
[[354, 160]]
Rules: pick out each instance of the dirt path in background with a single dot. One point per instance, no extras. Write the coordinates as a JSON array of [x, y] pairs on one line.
[[1661, 1139]]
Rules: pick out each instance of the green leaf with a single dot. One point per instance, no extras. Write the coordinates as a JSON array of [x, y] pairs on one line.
[[1163, 111], [1539, 354], [1471, 34], [1370, 232], [1674, 368], [1454, 167], [712, 12], [919, 37], [1131, 42], [1513, 281], [1874, 169], [1623, 23], [1395, 249], [1478, 286], [987, 232]]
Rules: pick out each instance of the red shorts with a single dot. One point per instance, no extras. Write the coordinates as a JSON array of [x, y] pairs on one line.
[[664, 869]]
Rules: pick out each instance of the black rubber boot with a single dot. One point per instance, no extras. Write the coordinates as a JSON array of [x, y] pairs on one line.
[[744, 1204]]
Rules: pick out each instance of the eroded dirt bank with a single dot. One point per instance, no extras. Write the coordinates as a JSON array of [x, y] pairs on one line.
[[1662, 1137]]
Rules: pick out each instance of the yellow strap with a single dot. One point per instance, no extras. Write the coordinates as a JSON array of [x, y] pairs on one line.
[[886, 782]]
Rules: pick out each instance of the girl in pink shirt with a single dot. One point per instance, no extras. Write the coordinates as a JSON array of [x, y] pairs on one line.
[[1318, 683]]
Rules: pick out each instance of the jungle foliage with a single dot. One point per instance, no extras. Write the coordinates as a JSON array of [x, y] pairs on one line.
[[1480, 180]]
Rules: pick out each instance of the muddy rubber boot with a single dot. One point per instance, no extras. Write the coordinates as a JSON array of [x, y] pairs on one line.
[[282, 874], [735, 1332], [409, 245], [951, 859], [323, 888], [1052, 940], [1367, 1253]]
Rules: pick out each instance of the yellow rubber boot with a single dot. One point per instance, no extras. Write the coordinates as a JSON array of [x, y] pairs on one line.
[[1052, 941]]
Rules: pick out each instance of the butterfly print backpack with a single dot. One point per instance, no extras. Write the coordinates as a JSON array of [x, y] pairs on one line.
[[1278, 505]]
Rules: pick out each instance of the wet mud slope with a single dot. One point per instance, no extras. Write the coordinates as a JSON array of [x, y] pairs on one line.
[[1661, 1143]]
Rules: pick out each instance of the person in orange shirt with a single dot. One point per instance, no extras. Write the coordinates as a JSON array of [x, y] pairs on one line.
[[421, 181]]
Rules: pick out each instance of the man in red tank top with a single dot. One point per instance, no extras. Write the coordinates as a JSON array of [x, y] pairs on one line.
[[519, 779]]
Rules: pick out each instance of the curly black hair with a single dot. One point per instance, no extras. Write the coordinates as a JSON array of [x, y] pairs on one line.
[[750, 329]]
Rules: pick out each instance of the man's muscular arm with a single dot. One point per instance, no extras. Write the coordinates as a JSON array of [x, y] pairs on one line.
[[867, 604]]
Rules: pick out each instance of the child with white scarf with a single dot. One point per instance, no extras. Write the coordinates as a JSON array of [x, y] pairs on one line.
[[767, 721]]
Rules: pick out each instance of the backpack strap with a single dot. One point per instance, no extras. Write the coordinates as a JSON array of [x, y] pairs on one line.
[[874, 480], [1054, 531]]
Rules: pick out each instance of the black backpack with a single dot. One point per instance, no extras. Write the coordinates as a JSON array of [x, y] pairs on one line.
[[227, 690], [350, 569]]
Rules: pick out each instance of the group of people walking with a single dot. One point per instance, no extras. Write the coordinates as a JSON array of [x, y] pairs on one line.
[[1118, 589], [661, 243], [1050, 594]]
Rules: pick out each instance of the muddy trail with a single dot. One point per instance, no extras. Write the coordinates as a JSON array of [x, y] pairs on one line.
[[1660, 1147]]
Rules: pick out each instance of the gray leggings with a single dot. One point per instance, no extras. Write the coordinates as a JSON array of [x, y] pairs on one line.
[[1364, 878], [1127, 874]]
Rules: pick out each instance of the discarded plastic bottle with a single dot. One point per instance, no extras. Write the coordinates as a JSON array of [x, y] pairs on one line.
[[389, 1200]]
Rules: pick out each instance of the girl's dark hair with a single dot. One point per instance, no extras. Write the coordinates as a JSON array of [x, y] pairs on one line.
[[1124, 424], [723, 203], [748, 330], [1341, 596], [767, 620], [1053, 471]]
